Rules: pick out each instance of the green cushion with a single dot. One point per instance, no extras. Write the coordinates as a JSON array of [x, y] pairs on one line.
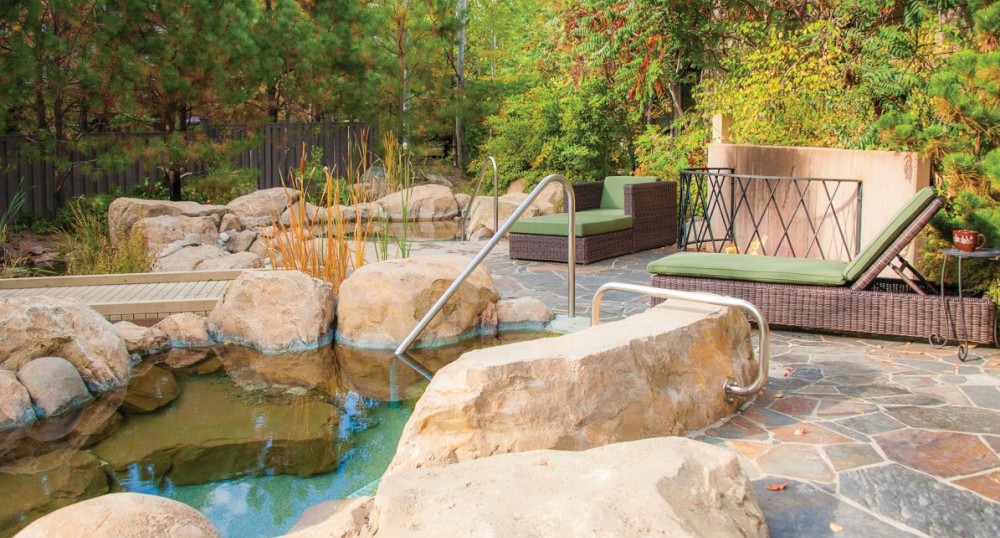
[[890, 233], [613, 194], [587, 223], [775, 269]]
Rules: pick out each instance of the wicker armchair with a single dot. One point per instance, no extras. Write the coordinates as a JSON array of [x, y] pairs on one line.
[[646, 219]]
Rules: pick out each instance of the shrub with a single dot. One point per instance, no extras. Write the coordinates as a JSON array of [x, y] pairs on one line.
[[89, 248]]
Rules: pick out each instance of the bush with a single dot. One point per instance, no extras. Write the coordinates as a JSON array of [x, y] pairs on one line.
[[220, 185], [557, 127], [89, 248]]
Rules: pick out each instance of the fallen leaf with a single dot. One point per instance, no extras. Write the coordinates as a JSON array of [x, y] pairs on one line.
[[859, 411], [835, 528], [800, 431], [788, 371], [778, 395], [777, 487]]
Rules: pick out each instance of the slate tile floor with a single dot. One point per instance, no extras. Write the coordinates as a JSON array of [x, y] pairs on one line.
[[852, 436]]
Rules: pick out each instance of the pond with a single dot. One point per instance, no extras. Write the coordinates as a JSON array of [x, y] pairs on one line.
[[250, 440]]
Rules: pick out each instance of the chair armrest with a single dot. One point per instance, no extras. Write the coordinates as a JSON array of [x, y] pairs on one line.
[[653, 208], [588, 195]]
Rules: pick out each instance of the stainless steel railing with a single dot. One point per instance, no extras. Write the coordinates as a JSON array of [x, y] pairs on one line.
[[570, 201], [475, 192], [730, 387]]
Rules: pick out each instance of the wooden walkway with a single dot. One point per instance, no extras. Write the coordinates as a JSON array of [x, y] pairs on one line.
[[131, 296]]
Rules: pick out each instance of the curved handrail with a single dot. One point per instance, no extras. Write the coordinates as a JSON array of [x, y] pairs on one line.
[[571, 257], [475, 191], [763, 345]]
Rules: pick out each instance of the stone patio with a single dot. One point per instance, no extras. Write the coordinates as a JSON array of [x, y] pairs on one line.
[[852, 436]]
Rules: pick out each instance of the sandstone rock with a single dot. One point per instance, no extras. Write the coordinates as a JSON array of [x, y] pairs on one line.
[[522, 312], [163, 230], [310, 213], [480, 220], [54, 385], [360, 211], [516, 186], [552, 195], [346, 514], [150, 388], [141, 340], [123, 514], [666, 366], [43, 326], [187, 259], [652, 487], [230, 223], [186, 330], [312, 370], [41, 485], [462, 200], [226, 435], [240, 241], [275, 311], [381, 302], [15, 403], [123, 213], [437, 179], [263, 204], [197, 361], [262, 247], [425, 202], [240, 260]]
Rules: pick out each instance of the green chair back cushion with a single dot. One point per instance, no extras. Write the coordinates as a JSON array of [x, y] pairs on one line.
[[613, 194], [587, 223], [890, 233], [775, 269]]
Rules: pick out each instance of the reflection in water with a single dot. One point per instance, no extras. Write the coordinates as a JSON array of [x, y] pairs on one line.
[[245, 420]]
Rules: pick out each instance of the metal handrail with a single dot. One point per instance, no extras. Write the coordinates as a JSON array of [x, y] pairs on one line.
[[570, 198], [475, 191], [763, 345]]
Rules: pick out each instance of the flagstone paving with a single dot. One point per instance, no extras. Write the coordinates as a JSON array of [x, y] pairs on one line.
[[852, 436]]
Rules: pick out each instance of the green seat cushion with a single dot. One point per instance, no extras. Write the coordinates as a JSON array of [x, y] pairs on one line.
[[776, 269], [890, 233], [613, 194], [587, 223]]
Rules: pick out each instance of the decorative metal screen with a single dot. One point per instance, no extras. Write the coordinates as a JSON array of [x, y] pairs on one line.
[[721, 211]]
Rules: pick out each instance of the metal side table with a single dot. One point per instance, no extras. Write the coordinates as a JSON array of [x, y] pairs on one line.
[[961, 333]]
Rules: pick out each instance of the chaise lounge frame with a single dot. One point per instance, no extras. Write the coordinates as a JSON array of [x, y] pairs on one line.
[[866, 306], [652, 206]]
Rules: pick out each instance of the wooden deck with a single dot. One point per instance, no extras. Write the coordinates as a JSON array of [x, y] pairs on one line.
[[131, 296]]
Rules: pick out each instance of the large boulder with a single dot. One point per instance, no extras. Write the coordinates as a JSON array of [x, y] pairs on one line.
[[275, 311], [260, 208], [480, 222], [653, 374], [240, 260], [187, 258], [43, 326], [150, 388], [655, 487], [186, 330], [123, 213], [424, 202], [37, 486], [163, 230], [382, 302], [142, 340], [227, 434], [124, 514], [54, 386], [522, 313], [15, 403]]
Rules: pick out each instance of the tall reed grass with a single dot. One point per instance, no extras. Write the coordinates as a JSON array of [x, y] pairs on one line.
[[89, 249]]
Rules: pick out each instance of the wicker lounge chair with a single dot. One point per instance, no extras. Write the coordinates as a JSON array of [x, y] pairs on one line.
[[614, 217], [838, 296]]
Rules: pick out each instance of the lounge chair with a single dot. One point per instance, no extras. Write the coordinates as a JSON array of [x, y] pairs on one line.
[[836, 296], [614, 217]]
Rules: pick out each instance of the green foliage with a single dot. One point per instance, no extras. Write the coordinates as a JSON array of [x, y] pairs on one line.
[[89, 248], [659, 154], [560, 128]]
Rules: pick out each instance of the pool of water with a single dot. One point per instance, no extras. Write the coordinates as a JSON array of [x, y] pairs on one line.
[[251, 440]]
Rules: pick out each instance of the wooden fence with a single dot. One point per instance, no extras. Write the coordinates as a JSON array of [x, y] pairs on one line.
[[278, 148]]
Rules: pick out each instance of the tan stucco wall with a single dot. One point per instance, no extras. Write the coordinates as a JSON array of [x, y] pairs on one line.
[[889, 178]]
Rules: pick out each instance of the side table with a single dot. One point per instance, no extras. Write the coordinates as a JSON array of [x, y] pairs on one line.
[[961, 334]]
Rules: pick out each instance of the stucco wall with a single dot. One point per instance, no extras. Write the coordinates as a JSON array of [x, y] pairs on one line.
[[889, 178]]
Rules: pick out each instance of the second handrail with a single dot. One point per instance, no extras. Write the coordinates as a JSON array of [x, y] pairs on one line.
[[763, 345], [570, 199]]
